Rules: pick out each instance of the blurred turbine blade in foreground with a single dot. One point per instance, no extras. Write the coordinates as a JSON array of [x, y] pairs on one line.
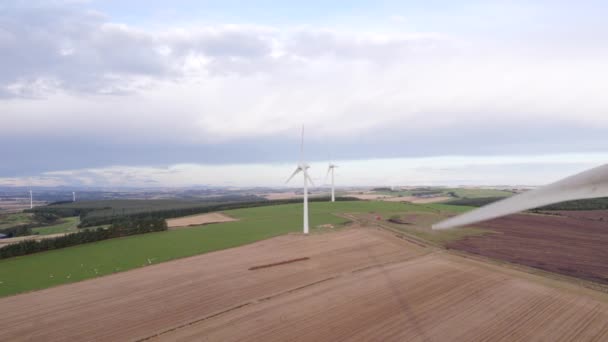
[[588, 184]]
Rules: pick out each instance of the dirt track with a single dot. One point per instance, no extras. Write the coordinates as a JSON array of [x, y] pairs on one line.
[[566, 245], [359, 284], [198, 220]]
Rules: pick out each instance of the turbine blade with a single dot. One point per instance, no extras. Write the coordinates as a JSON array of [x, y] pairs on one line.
[[309, 179], [588, 184], [298, 169], [327, 175], [302, 146]]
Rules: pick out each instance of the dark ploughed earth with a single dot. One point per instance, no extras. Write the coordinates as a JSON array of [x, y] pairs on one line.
[[574, 243]]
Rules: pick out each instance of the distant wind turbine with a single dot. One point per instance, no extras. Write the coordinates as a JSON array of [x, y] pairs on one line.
[[303, 167], [31, 199], [330, 169], [588, 184], [73, 196]]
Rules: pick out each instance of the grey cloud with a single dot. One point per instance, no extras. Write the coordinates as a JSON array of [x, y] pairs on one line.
[[58, 47], [46, 48]]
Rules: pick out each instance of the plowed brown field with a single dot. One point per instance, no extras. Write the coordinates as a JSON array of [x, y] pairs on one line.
[[567, 245], [359, 284], [198, 220]]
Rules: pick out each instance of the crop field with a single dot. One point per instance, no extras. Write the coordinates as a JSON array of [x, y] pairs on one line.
[[356, 284], [11, 220], [77, 263], [452, 192], [67, 225], [571, 243]]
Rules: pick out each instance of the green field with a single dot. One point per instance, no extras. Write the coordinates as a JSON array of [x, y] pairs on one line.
[[73, 264], [67, 224], [459, 192], [11, 220]]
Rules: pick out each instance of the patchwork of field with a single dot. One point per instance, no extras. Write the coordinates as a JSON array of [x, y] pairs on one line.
[[570, 245], [67, 265], [156, 298], [198, 220], [358, 284]]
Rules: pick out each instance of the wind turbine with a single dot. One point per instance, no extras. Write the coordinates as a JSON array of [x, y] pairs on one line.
[[592, 183], [303, 167], [73, 196], [330, 169], [31, 199]]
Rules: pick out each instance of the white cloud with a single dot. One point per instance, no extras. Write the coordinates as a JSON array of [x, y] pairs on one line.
[[448, 171], [80, 75]]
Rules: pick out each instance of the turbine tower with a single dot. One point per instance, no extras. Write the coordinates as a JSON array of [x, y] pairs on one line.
[[330, 169], [73, 196], [31, 200], [303, 167]]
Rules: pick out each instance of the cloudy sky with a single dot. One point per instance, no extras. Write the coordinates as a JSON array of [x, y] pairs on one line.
[[157, 93]]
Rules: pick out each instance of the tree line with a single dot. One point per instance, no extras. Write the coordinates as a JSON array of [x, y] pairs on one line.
[[124, 227], [88, 218]]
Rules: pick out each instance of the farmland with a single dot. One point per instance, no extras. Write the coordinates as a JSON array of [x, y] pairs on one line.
[[353, 284], [72, 264], [566, 245]]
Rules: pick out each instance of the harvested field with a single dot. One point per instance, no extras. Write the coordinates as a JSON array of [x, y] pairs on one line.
[[597, 215], [419, 200], [431, 298], [156, 298], [196, 220], [359, 284], [566, 245], [5, 242], [281, 195]]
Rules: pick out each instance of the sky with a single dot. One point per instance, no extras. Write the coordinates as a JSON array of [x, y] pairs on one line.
[[182, 93]]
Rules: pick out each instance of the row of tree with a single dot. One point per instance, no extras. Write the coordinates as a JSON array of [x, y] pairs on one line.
[[88, 218], [124, 227]]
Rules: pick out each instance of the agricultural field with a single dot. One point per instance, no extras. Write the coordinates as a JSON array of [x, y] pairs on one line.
[[201, 219], [355, 284], [77, 263], [16, 219], [66, 225], [568, 243]]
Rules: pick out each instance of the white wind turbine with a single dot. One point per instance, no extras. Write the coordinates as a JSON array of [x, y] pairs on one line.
[[31, 199], [330, 169], [588, 184], [73, 196], [303, 167]]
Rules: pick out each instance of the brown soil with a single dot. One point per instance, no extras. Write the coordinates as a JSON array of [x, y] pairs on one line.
[[279, 263], [359, 284], [154, 299], [196, 220], [4, 242], [419, 200], [571, 246], [597, 215], [430, 298]]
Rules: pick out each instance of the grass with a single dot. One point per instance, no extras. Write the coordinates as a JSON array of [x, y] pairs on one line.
[[11, 220], [67, 225], [42, 270], [460, 192]]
